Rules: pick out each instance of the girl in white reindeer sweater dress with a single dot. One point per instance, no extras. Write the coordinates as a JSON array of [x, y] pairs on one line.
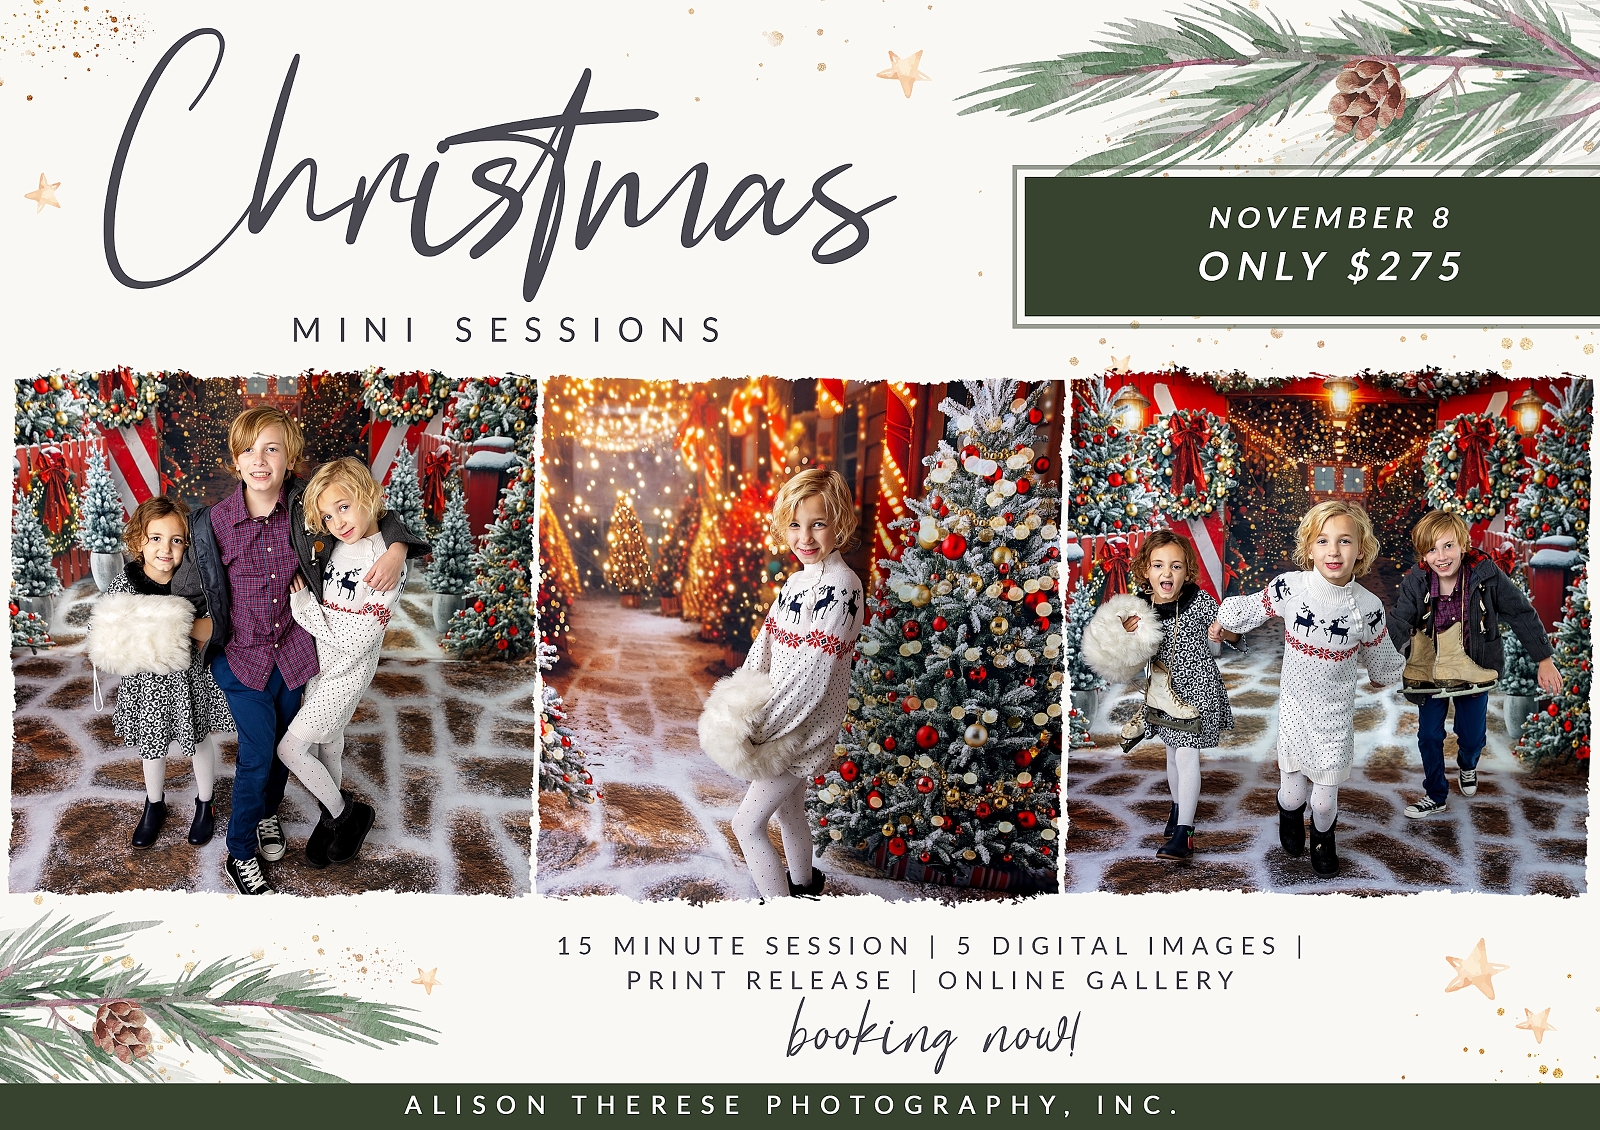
[[1331, 627], [349, 624], [776, 720]]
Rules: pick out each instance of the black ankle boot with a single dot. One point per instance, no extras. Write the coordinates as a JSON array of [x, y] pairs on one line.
[[321, 837], [1172, 821], [350, 829], [811, 889], [204, 823], [155, 815], [1324, 860], [1292, 828], [1180, 845]]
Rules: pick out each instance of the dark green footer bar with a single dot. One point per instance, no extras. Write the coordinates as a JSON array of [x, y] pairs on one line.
[[1304, 1106]]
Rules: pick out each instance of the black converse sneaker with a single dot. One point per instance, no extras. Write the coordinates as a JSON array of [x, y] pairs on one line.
[[1469, 781], [269, 839], [1425, 807], [247, 877]]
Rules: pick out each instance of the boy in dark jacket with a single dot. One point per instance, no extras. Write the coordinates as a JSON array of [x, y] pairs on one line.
[[248, 549], [1447, 619]]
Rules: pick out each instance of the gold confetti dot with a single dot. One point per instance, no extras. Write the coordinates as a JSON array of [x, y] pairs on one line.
[[38, 900], [360, 958], [775, 38], [1074, 361], [1276, 332], [1544, 1069], [1505, 343], [1102, 341], [1320, 344], [1402, 337], [1557, 1073], [1589, 348], [1424, 337], [188, 967], [1525, 343], [1499, 1012], [1506, 364], [822, 66], [1133, 324], [819, 31], [258, 954]]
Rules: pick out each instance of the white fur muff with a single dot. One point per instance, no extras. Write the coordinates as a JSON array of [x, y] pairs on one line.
[[725, 724], [1111, 651], [134, 634]]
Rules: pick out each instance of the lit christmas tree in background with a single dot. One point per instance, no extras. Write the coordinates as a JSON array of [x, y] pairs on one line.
[[562, 767], [403, 496], [451, 570], [194, 414], [1559, 728], [749, 574], [559, 582], [627, 563], [1109, 495], [951, 754], [499, 621], [101, 507], [31, 571], [672, 554], [1555, 498]]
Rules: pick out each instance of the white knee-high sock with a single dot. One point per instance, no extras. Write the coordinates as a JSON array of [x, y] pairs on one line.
[[761, 800], [308, 770], [1293, 790], [1324, 806], [1186, 759], [155, 778], [205, 767]]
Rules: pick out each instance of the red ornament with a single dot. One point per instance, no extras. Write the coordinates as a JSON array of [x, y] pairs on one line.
[[925, 857], [897, 846], [889, 743], [874, 799], [1044, 623], [905, 706], [982, 810], [924, 784], [949, 674], [1026, 819], [1024, 486], [1115, 479], [511, 631], [41, 386], [970, 450], [1044, 851], [819, 781], [1552, 710], [477, 606], [1042, 463], [911, 630], [849, 770], [1029, 681], [501, 645], [491, 620], [892, 696], [940, 623], [1023, 759], [953, 546], [1004, 568], [822, 821], [927, 738], [978, 674], [1037, 417]]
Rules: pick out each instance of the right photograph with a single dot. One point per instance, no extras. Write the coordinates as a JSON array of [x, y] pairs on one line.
[[1328, 633]]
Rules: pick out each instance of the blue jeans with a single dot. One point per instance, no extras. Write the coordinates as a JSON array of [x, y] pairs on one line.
[[262, 718], [1472, 716]]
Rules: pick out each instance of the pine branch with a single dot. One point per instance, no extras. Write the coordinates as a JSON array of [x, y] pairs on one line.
[[1538, 103], [64, 968]]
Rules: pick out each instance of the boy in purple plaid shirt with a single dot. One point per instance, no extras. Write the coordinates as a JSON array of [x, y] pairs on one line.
[[248, 548]]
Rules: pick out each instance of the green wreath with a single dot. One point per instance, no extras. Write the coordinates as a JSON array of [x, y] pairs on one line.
[[119, 398], [1194, 449], [1470, 467], [420, 402]]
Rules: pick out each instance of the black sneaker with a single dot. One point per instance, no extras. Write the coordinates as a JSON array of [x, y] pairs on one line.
[[1172, 821], [1427, 806], [204, 824], [155, 815], [812, 889], [269, 839], [247, 876], [1469, 781], [1180, 846]]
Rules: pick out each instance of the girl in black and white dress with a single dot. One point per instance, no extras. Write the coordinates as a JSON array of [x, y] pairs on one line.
[[178, 709], [1172, 630]]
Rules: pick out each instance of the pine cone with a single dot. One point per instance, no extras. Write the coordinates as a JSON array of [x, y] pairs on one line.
[[1370, 97], [119, 1030]]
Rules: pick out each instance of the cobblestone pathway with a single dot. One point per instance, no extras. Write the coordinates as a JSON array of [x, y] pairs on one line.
[[1524, 832], [634, 687], [443, 750]]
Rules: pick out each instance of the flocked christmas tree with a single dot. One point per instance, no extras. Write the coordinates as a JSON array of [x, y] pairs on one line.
[[1559, 728], [100, 530], [28, 629], [672, 555], [451, 570], [627, 566], [1555, 499], [498, 621], [562, 767], [1078, 730], [1079, 613], [1520, 673], [951, 752], [403, 496], [31, 571], [495, 406], [48, 409], [1109, 495]]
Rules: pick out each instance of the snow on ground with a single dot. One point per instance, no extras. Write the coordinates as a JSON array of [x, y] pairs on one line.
[[1524, 832], [634, 687], [444, 750]]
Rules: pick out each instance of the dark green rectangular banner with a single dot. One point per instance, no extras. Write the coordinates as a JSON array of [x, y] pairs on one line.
[[1321, 250]]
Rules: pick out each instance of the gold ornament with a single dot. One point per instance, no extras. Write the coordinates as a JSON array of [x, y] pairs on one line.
[[888, 829], [57, 383], [1002, 556], [921, 596], [952, 796], [975, 735], [986, 535], [999, 625]]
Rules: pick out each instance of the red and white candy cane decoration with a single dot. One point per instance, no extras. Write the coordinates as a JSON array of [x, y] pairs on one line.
[[413, 409], [133, 462]]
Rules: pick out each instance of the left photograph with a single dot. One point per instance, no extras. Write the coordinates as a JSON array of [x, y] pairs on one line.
[[273, 633]]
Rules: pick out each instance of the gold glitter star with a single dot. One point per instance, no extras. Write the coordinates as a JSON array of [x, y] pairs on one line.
[[1538, 1023], [1476, 970], [44, 194], [905, 70], [427, 980]]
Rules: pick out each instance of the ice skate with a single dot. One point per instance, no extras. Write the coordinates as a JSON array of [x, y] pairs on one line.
[[1419, 676], [1454, 670]]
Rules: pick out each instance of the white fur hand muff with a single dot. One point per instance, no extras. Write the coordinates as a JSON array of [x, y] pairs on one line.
[[729, 716], [133, 634], [1111, 651]]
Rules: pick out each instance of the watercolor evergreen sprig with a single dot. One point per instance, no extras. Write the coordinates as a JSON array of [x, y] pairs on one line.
[[238, 1011], [1528, 92]]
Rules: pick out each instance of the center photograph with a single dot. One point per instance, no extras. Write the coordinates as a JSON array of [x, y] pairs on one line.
[[801, 639]]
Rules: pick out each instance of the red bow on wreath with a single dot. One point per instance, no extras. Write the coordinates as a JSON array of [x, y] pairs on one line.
[[57, 480], [435, 470], [1474, 441], [1116, 563], [1190, 433], [1506, 558]]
